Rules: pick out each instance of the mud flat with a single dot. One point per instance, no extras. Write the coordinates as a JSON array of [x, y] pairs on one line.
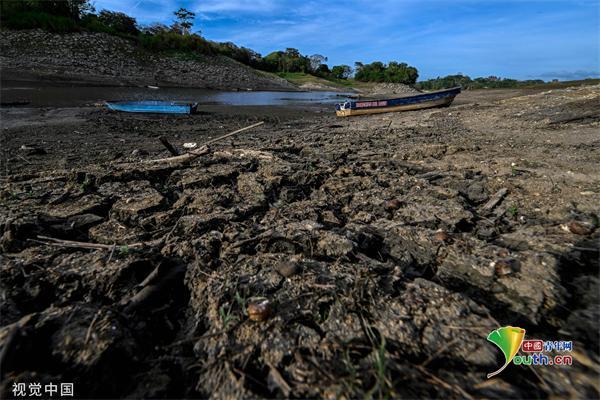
[[311, 257]]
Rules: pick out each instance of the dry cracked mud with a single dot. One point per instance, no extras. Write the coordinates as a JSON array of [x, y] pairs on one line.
[[311, 257]]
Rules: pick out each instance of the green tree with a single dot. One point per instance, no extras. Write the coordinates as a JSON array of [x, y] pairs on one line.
[[341, 71], [155, 29], [316, 60], [184, 21], [323, 71], [393, 72], [118, 21], [289, 60]]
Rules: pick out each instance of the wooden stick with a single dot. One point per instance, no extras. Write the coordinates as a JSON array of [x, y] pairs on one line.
[[495, 199], [169, 146], [202, 149], [233, 133], [182, 158]]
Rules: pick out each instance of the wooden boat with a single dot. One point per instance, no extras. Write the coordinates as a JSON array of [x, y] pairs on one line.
[[424, 100], [152, 106]]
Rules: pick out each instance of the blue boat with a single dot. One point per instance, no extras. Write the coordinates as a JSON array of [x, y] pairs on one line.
[[425, 100], [152, 106]]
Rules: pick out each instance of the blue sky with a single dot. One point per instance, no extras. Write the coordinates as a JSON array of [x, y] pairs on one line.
[[521, 39]]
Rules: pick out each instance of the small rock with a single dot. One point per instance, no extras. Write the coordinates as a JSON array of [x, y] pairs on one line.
[[139, 152], [288, 268], [505, 266], [441, 236], [580, 228], [259, 309], [392, 205]]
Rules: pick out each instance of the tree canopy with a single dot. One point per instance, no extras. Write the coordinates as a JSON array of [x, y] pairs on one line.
[[289, 60], [341, 71], [393, 72], [478, 83], [184, 21], [119, 22]]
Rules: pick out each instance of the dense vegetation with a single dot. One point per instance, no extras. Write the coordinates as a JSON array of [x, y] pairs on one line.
[[393, 72], [478, 83]]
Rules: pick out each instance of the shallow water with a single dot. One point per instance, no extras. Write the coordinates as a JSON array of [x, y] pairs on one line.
[[66, 96]]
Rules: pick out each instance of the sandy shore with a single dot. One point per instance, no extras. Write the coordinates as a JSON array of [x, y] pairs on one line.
[[386, 247]]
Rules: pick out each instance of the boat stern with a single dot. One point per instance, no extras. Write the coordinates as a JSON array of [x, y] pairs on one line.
[[343, 109]]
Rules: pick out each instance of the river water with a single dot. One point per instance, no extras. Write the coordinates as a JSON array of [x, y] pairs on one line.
[[69, 96]]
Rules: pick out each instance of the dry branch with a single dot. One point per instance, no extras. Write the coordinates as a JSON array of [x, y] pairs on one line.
[[495, 199], [202, 149], [232, 133]]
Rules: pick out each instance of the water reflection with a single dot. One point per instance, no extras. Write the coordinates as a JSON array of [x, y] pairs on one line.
[[65, 96]]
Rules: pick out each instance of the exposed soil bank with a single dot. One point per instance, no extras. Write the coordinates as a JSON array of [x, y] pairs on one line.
[[374, 239], [97, 58]]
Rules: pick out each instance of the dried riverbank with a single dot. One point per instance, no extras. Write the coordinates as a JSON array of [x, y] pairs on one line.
[[375, 240]]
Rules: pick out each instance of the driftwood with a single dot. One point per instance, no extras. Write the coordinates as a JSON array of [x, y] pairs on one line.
[[182, 158], [495, 199], [201, 150]]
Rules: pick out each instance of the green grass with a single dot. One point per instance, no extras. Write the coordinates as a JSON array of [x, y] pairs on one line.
[[300, 78]]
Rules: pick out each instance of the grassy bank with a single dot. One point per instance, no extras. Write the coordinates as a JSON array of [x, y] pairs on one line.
[[299, 79]]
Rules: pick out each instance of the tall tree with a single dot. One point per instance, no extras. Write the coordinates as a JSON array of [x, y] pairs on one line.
[[316, 60], [118, 21], [185, 20], [341, 71]]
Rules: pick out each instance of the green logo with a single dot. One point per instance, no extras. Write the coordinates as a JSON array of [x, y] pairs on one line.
[[508, 339]]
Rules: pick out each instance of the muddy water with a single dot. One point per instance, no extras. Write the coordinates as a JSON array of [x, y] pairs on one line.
[[68, 96]]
